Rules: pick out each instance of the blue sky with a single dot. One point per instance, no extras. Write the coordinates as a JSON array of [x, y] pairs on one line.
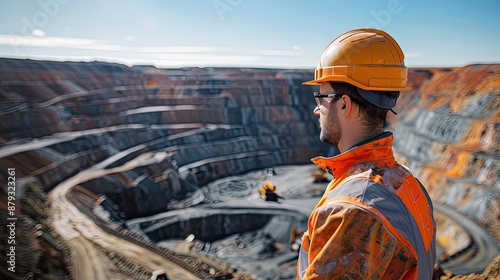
[[248, 33]]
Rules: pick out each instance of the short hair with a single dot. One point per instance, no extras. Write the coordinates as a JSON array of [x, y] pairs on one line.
[[371, 116]]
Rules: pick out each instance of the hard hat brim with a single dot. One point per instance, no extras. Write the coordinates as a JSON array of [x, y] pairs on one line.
[[311, 83], [340, 79]]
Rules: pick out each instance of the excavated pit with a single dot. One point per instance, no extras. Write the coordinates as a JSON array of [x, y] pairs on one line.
[[167, 163]]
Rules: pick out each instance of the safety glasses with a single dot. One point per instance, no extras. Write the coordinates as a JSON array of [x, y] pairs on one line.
[[319, 97]]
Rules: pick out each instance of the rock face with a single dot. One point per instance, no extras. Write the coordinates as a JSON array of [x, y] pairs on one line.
[[182, 129], [215, 123], [448, 135], [58, 119]]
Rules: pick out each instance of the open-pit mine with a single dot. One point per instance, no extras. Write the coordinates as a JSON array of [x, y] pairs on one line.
[[116, 172]]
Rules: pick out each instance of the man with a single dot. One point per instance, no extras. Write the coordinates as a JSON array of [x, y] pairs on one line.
[[375, 219]]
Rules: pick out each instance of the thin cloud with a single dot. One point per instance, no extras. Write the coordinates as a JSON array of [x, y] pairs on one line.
[[163, 56], [198, 57], [174, 49], [280, 52], [413, 54], [89, 44], [38, 33]]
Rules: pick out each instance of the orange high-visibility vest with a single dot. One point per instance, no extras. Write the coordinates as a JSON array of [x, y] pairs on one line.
[[375, 220]]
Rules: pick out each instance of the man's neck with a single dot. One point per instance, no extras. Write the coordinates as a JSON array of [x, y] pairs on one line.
[[354, 139]]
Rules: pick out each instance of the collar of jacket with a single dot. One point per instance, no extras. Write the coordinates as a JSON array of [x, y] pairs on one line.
[[376, 149]]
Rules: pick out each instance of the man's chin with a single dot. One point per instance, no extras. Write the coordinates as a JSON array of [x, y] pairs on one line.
[[327, 140], [324, 139]]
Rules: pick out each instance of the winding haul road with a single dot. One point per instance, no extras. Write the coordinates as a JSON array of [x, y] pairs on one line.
[[91, 245], [94, 251], [484, 246], [89, 242]]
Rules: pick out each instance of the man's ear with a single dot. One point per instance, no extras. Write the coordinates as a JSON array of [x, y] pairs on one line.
[[346, 106]]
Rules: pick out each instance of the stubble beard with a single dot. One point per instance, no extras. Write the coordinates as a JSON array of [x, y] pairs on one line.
[[330, 131]]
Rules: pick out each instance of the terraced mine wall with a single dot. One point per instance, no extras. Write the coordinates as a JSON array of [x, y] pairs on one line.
[[57, 119], [449, 134], [203, 124], [215, 122]]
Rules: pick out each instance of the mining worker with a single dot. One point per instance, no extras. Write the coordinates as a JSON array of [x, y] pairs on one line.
[[375, 219]]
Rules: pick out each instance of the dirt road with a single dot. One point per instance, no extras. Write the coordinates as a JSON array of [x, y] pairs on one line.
[[93, 248]]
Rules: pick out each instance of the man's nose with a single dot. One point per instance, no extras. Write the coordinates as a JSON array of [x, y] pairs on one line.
[[316, 110]]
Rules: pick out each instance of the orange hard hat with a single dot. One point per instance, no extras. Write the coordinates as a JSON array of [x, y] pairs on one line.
[[367, 58]]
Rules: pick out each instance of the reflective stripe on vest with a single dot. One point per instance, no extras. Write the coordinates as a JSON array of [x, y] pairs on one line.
[[303, 262], [401, 212]]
